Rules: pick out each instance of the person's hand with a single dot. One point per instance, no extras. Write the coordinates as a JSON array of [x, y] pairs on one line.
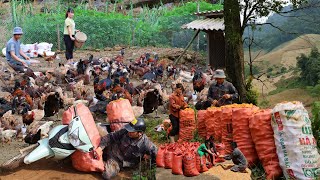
[[72, 38], [146, 157], [24, 64], [27, 58], [226, 96], [77, 31]]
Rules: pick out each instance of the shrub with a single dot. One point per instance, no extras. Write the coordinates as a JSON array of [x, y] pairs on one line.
[[316, 121]]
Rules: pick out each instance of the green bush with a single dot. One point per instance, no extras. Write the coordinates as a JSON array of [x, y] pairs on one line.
[[251, 94]]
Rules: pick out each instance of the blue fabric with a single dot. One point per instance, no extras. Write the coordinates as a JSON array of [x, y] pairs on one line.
[[13, 45]]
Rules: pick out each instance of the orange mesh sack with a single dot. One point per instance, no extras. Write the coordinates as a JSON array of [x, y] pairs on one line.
[[226, 129], [177, 163], [262, 136], [187, 124], [210, 122], [119, 113], [201, 117], [242, 135], [217, 125], [200, 168], [160, 156], [88, 162], [189, 165]]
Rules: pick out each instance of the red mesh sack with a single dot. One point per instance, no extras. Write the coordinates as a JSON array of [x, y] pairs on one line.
[[119, 113], [189, 165], [88, 162], [201, 117], [81, 161], [177, 163], [226, 128], [242, 135], [168, 156], [220, 147], [200, 168], [160, 156], [187, 124], [262, 136]]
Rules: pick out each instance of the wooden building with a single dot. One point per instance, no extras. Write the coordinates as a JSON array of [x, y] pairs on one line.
[[212, 23]]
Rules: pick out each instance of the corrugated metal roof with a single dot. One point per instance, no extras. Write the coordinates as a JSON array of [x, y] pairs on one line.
[[214, 12], [205, 24]]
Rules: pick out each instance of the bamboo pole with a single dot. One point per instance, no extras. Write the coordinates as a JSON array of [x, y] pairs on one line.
[[187, 47]]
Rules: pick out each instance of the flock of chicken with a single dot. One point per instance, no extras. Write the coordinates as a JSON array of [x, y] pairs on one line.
[[29, 98]]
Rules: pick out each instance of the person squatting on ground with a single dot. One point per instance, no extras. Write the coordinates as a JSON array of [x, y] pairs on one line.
[[176, 103], [125, 148], [205, 149], [16, 58], [221, 92], [237, 157], [68, 34]]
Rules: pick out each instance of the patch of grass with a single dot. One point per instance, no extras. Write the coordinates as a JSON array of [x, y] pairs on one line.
[[286, 84], [158, 137]]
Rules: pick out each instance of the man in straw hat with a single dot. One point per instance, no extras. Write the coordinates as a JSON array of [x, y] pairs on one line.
[[14, 55], [221, 92]]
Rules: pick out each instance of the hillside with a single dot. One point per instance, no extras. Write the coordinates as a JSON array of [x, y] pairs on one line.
[[280, 63]]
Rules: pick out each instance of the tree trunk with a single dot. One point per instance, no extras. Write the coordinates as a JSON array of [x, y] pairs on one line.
[[234, 46]]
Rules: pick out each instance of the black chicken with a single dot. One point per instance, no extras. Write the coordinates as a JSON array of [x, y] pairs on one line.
[[33, 138], [151, 102], [52, 105]]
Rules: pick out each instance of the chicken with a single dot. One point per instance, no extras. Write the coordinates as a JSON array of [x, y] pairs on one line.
[[33, 138], [50, 59], [29, 116], [151, 102], [11, 121], [45, 128], [52, 104], [7, 135]]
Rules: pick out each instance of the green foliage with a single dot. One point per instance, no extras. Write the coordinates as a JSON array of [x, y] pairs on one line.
[[316, 121], [314, 91], [285, 84], [310, 67], [159, 137], [153, 27], [264, 104], [251, 93]]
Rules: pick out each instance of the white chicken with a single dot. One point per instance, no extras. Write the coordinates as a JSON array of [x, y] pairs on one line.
[[7, 135], [45, 128]]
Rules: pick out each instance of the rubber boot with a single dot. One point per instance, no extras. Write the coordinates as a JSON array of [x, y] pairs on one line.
[[176, 137], [172, 139]]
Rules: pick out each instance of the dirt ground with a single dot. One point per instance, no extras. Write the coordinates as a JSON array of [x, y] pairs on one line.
[[48, 169]]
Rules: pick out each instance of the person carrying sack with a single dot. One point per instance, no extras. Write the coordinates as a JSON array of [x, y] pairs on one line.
[[176, 103]]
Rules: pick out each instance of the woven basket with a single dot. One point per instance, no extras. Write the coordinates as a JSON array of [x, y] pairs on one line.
[[81, 38]]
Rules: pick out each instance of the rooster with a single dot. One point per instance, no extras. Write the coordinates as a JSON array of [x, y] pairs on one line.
[[50, 59], [29, 116]]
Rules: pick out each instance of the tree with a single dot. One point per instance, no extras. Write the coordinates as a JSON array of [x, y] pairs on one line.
[[234, 29]]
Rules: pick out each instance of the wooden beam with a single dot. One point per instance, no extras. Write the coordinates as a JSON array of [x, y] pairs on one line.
[[187, 47]]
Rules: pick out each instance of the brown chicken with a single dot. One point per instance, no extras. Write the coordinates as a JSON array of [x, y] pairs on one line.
[[49, 59]]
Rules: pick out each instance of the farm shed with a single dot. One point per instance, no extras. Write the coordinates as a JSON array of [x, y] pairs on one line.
[[212, 23]]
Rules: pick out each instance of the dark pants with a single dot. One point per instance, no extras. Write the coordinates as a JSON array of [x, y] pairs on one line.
[[17, 66], [69, 46], [175, 125]]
